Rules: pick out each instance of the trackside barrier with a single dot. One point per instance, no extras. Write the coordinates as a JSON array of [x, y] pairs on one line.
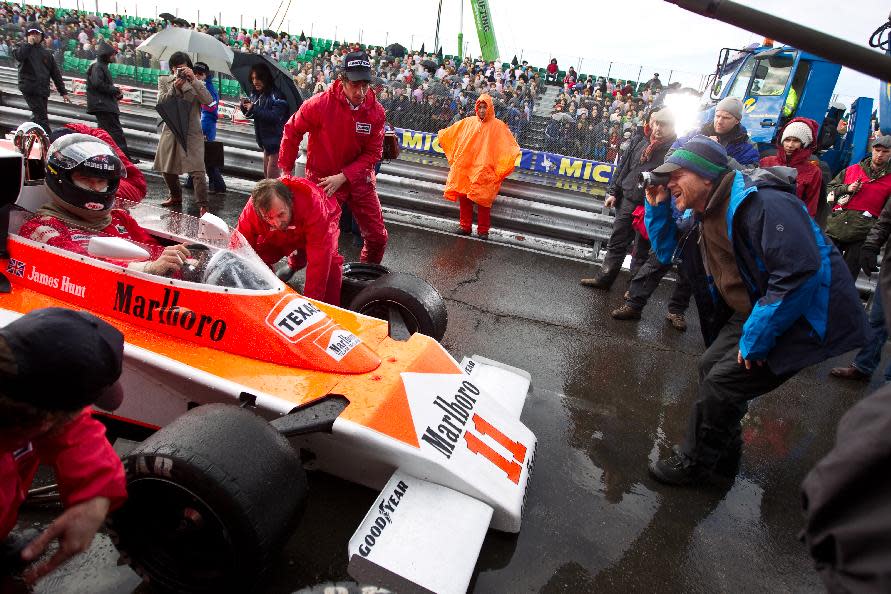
[[132, 95]]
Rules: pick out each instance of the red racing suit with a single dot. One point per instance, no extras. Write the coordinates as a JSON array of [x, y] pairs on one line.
[[133, 187], [313, 234], [54, 232], [85, 463], [343, 140]]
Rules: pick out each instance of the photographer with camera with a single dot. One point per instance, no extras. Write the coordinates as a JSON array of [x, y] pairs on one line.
[[627, 195], [172, 160], [771, 279]]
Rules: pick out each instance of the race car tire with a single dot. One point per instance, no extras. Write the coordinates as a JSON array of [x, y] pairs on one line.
[[342, 588], [357, 276], [421, 306], [212, 497]]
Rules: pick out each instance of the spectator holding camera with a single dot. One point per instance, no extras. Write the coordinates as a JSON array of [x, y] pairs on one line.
[[269, 110], [172, 159], [782, 295]]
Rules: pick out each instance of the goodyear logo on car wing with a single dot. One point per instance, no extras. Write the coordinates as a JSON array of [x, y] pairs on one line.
[[294, 317]]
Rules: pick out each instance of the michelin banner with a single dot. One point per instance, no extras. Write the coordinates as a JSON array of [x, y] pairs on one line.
[[538, 161]]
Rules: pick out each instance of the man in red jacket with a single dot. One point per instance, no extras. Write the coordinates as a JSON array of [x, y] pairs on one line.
[[292, 217], [43, 420], [346, 138]]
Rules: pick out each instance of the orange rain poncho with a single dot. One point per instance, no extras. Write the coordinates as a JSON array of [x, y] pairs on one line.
[[481, 154]]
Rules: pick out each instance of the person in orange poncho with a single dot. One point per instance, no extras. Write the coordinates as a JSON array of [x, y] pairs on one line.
[[481, 151]]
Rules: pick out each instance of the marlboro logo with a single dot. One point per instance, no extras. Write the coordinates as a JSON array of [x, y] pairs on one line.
[[167, 311]]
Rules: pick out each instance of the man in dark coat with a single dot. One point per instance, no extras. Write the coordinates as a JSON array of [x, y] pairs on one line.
[[103, 97], [775, 276], [626, 195], [36, 68]]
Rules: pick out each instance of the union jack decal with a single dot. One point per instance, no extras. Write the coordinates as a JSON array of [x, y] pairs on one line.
[[16, 267]]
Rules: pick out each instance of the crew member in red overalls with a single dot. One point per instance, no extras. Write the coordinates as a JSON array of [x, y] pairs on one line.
[[346, 136], [54, 362], [293, 217]]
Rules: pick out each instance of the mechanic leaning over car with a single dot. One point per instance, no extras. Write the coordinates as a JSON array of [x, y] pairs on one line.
[[45, 419], [82, 178], [293, 217], [346, 138]]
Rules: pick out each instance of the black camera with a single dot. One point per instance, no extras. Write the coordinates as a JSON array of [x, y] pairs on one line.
[[181, 73], [648, 178]]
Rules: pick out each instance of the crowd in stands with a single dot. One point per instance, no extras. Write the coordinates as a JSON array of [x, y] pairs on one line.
[[591, 118]]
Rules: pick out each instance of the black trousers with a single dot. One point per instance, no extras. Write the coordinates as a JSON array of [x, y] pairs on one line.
[[646, 281], [620, 241], [111, 123], [725, 389], [850, 251], [38, 106]]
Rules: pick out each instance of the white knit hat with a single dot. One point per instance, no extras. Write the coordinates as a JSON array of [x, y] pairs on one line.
[[799, 130]]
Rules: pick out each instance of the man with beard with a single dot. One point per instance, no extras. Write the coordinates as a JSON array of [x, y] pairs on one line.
[[725, 129], [103, 97], [627, 196]]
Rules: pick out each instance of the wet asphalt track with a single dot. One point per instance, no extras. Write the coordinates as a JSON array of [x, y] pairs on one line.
[[607, 398]]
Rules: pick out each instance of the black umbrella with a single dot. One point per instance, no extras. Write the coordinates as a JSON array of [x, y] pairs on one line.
[[175, 113], [281, 78], [440, 90], [71, 20], [166, 16], [182, 23], [214, 31], [269, 32], [396, 49], [422, 49], [515, 62], [429, 65], [302, 36]]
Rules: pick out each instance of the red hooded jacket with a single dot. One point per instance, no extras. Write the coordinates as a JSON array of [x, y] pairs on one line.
[[314, 231], [85, 463], [810, 176], [341, 139], [133, 187]]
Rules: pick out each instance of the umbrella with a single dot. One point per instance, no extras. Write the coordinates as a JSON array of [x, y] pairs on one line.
[[378, 81], [175, 113], [438, 89], [422, 49], [269, 32], [71, 20], [214, 31], [429, 65], [166, 16], [182, 23], [562, 116], [201, 47], [302, 36], [281, 78], [515, 62], [396, 49]]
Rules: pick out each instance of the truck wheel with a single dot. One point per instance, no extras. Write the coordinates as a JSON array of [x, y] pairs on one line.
[[356, 276], [420, 305], [212, 497]]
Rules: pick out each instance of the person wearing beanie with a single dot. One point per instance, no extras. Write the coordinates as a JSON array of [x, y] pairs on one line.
[[765, 280], [103, 97], [726, 129], [36, 67], [45, 419], [795, 149]]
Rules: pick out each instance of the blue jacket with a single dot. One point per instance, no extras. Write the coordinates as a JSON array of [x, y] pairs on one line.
[[270, 113], [794, 275], [736, 143], [210, 113]]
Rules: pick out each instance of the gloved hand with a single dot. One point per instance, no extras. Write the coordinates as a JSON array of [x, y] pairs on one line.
[[869, 260]]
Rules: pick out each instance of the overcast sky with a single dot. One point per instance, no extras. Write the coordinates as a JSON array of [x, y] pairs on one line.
[[635, 35]]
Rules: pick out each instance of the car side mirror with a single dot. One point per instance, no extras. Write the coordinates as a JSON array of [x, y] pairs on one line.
[[116, 248]]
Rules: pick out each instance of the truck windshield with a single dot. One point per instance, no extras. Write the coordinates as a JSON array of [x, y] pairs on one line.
[[768, 76]]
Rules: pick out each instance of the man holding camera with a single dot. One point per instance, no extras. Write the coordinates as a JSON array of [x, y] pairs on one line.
[[626, 194], [773, 277], [36, 68]]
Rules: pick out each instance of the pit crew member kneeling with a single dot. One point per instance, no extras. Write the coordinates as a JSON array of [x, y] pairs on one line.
[[292, 217], [44, 420], [82, 178], [774, 276]]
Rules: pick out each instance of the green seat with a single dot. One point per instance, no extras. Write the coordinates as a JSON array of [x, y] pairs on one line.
[[72, 44]]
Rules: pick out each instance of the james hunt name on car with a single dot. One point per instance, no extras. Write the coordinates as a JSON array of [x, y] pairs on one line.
[[64, 284], [167, 312]]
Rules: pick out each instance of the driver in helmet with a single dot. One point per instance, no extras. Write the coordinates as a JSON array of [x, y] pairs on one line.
[[82, 177]]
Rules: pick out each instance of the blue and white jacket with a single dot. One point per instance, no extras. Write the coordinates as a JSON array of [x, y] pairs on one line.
[[794, 275]]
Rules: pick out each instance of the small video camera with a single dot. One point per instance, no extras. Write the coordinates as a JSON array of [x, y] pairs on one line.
[[648, 178]]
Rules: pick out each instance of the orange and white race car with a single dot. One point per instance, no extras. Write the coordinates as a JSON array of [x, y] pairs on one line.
[[242, 383]]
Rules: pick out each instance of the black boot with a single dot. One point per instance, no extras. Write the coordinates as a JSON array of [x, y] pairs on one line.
[[679, 469], [603, 280]]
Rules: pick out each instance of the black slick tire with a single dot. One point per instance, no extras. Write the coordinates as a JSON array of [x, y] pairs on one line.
[[421, 306]]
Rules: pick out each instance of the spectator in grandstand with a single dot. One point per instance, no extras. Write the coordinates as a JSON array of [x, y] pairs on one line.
[[553, 70], [654, 85], [795, 149], [346, 134], [626, 194], [860, 193], [481, 152], [726, 129], [103, 97], [36, 68], [787, 299], [269, 110], [172, 159]]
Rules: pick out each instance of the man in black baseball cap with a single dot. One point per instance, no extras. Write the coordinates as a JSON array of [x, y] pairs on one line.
[[357, 66], [36, 68], [54, 363]]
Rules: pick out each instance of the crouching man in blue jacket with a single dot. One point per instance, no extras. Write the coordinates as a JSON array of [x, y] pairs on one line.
[[770, 278]]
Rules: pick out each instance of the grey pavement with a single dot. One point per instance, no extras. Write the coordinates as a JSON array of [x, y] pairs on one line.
[[607, 398]]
